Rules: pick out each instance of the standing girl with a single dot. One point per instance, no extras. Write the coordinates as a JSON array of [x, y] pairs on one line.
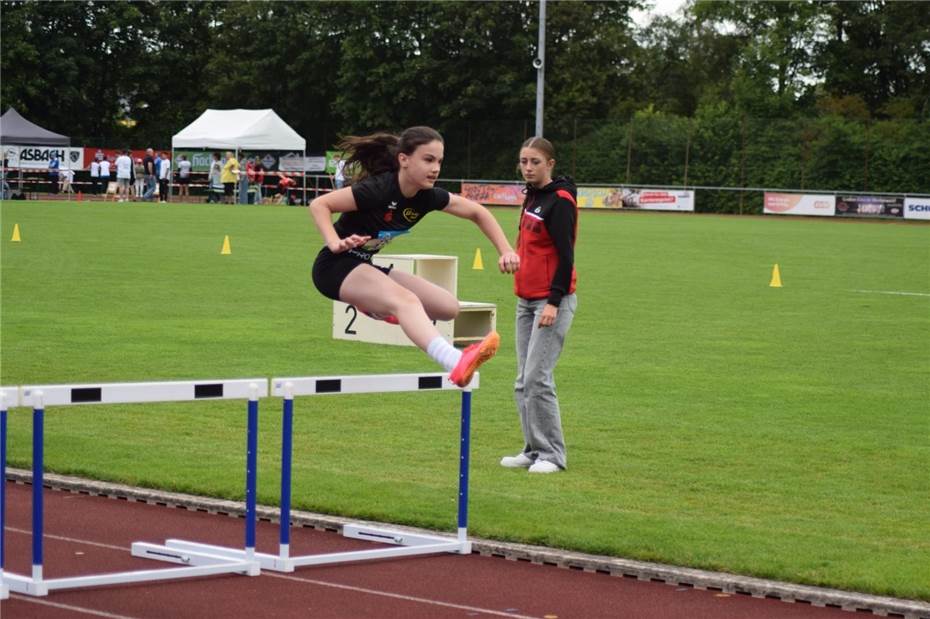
[[394, 193], [545, 288]]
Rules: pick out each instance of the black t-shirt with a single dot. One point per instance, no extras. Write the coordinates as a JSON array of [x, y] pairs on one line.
[[149, 163], [383, 210]]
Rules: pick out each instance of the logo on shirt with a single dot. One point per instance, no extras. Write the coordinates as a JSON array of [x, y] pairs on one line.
[[411, 215], [389, 215]]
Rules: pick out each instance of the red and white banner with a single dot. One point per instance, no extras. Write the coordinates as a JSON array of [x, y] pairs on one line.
[[494, 193], [799, 204]]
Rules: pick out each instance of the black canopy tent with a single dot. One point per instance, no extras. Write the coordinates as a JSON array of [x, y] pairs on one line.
[[14, 129]]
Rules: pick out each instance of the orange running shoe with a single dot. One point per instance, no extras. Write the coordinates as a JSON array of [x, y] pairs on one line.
[[473, 357]]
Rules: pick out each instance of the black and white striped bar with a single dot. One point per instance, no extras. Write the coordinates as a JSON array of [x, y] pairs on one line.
[[128, 393], [365, 383]]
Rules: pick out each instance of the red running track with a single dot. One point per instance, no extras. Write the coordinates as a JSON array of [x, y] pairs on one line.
[[91, 535]]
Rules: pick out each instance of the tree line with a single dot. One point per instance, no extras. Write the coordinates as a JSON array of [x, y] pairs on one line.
[[822, 94]]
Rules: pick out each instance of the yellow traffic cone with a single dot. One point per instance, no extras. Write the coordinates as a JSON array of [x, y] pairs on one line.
[[226, 248], [16, 238], [776, 278], [478, 265]]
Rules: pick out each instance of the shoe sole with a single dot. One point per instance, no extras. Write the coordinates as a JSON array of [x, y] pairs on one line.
[[488, 349]]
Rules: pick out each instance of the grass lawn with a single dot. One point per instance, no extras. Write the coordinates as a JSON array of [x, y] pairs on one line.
[[711, 421]]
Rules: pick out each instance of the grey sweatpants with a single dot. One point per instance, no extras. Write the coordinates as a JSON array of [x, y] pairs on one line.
[[538, 350]]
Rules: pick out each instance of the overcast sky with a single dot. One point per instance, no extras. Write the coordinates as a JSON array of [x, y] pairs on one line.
[[661, 7]]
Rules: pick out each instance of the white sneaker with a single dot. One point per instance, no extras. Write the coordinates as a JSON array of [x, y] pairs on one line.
[[516, 462], [544, 466]]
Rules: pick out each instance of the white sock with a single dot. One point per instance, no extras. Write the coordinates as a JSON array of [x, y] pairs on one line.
[[443, 353]]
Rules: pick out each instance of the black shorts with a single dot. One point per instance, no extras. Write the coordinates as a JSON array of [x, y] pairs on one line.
[[228, 188], [184, 180], [330, 270]]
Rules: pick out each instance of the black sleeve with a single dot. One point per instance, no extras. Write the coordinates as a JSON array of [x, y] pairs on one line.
[[439, 199], [561, 227], [369, 192]]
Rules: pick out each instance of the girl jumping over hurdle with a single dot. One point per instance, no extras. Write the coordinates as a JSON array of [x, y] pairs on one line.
[[393, 192]]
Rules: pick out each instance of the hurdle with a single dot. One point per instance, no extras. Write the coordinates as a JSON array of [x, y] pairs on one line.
[[406, 543], [195, 564], [9, 396]]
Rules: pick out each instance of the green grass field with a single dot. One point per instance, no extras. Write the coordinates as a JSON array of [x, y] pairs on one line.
[[711, 421]]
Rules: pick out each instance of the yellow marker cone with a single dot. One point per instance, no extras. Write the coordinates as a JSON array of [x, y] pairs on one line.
[[478, 265], [16, 238], [226, 249], [776, 278]]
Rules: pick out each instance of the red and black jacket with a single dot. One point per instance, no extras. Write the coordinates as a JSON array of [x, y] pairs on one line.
[[546, 242]]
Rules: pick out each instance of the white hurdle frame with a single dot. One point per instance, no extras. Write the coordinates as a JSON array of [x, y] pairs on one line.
[[195, 564], [408, 544]]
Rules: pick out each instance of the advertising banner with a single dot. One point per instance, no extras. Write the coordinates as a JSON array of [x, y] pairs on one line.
[[110, 154], [200, 159], [635, 198], [869, 206], [917, 208], [296, 162], [37, 157], [799, 204], [492, 193]]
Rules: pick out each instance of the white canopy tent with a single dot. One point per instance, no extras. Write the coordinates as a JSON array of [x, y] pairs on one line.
[[239, 130]]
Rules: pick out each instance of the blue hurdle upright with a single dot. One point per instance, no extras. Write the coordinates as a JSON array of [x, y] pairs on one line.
[[9, 396], [195, 563], [407, 543]]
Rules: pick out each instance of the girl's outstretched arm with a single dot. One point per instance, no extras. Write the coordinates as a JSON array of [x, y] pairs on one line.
[[509, 261]]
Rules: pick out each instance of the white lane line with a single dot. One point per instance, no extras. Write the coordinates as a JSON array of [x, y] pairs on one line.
[[69, 539], [321, 583], [77, 609], [896, 292], [399, 596]]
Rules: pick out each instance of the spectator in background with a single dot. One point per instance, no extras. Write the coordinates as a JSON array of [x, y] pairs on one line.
[[229, 176], [138, 173], [164, 177], [105, 173], [184, 177], [53, 166], [95, 176], [99, 156], [259, 178], [243, 179], [67, 176], [123, 175], [214, 179], [250, 178], [285, 184], [339, 178], [148, 165]]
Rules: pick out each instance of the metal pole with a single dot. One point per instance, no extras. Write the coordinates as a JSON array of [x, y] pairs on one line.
[[251, 473], [463, 465], [287, 430], [540, 63], [2, 482], [38, 418]]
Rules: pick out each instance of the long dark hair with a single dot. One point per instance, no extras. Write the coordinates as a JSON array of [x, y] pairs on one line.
[[377, 153]]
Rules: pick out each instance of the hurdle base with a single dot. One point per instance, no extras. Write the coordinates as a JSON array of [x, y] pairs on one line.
[[406, 545], [196, 565]]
